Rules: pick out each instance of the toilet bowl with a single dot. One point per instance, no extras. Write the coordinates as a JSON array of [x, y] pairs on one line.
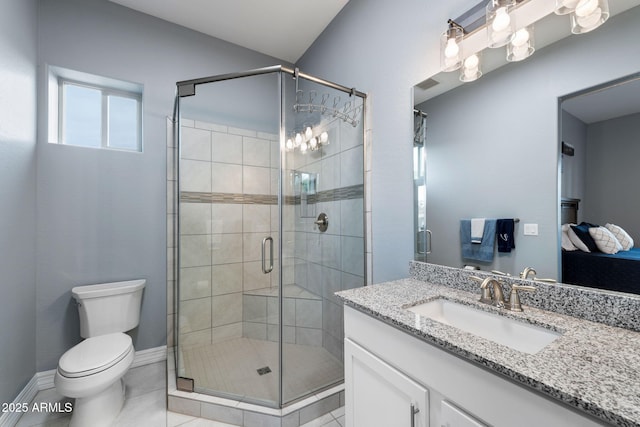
[[92, 371]]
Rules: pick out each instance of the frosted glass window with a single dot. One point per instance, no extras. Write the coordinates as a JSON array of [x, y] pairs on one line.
[[93, 115], [123, 123], [82, 121]]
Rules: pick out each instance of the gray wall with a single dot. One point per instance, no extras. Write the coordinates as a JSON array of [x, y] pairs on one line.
[[102, 214], [612, 174], [384, 48], [17, 195]]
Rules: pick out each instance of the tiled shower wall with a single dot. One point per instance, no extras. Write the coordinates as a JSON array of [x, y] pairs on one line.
[[227, 206], [326, 262]]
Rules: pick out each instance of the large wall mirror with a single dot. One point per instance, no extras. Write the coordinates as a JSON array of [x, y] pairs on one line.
[[493, 147]]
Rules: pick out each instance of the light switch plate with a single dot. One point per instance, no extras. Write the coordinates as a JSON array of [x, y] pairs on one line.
[[531, 229]]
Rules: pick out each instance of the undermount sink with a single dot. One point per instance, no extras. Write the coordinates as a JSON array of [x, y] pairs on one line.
[[503, 330]]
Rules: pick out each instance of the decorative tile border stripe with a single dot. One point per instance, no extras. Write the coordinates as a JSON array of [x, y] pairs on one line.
[[234, 198], [344, 193]]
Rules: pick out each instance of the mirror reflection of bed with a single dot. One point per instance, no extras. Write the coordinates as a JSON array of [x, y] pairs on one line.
[[600, 174]]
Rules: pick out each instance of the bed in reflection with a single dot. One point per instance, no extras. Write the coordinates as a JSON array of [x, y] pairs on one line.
[[616, 272]]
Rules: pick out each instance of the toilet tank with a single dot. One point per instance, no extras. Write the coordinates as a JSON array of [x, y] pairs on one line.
[[108, 307]]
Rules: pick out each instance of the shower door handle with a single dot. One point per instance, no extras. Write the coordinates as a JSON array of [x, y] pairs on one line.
[[266, 270]]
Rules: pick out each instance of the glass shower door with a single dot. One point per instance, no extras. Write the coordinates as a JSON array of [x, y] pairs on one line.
[[228, 325], [323, 231], [271, 225]]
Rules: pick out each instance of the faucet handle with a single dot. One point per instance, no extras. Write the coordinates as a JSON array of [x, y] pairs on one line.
[[500, 273], [514, 298], [517, 287], [476, 278]]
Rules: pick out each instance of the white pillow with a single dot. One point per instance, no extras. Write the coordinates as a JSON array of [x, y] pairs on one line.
[[623, 237], [573, 237], [567, 245], [605, 240]]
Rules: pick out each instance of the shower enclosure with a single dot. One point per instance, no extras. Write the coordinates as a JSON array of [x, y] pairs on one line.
[[270, 202]]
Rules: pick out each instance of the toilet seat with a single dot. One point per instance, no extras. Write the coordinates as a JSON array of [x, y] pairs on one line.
[[95, 355]]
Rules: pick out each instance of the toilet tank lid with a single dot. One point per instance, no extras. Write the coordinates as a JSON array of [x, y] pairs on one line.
[[106, 289]]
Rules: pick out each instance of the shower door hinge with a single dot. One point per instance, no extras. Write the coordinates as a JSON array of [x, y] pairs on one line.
[[185, 384], [187, 89]]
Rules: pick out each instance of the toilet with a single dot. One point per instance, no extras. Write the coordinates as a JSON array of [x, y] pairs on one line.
[[92, 371]]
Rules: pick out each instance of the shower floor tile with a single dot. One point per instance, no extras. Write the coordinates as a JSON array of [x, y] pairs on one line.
[[231, 367]]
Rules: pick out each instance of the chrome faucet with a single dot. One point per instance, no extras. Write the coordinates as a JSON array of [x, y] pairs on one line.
[[525, 273], [498, 299], [498, 296]]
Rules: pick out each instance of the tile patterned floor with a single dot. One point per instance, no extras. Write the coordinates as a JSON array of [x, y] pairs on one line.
[[145, 406], [230, 367]]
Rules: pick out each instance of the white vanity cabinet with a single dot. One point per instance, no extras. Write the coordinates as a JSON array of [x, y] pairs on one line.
[[380, 395], [388, 370]]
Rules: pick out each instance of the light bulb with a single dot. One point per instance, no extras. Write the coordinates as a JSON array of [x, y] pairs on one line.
[[590, 20], [520, 52], [570, 4], [313, 143], [452, 49], [521, 37], [303, 146], [472, 62], [324, 137], [298, 139], [289, 144], [470, 72], [501, 21], [308, 133], [586, 7]]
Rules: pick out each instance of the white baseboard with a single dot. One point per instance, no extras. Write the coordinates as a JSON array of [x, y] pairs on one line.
[[10, 419], [44, 381], [150, 355]]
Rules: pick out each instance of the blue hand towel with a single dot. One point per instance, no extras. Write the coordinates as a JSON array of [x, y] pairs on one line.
[[479, 252], [504, 230]]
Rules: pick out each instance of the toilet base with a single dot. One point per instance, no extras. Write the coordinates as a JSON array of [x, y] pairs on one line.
[[99, 410]]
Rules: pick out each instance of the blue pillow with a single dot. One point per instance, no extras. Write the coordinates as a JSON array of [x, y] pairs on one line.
[[582, 231]]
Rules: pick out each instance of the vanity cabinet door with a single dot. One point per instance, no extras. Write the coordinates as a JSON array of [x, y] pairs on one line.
[[451, 416], [378, 395]]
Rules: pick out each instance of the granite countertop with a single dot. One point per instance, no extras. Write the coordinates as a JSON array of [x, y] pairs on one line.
[[591, 366]]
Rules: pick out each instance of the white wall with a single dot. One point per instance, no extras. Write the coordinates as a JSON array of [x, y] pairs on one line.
[[17, 195], [102, 214], [385, 48]]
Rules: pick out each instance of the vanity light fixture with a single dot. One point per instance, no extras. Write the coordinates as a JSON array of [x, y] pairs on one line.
[[471, 68], [450, 48], [589, 15], [522, 45], [500, 22], [462, 40]]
